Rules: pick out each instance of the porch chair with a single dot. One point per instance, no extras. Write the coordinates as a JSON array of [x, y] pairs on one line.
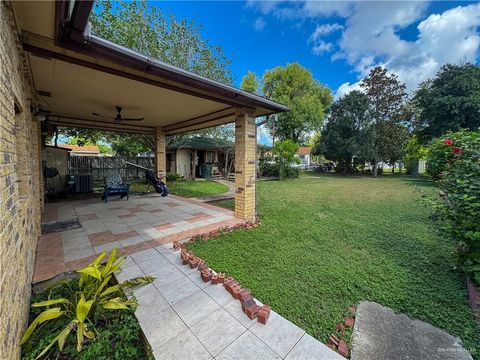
[[114, 185]]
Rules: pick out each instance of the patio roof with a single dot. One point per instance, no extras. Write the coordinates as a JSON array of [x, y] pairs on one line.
[[76, 74]]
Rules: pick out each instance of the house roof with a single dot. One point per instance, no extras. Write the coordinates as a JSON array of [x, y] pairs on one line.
[[86, 149], [304, 150], [201, 143], [77, 74]]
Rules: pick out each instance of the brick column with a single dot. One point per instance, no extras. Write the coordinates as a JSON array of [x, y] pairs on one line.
[[245, 165], [160, 155]]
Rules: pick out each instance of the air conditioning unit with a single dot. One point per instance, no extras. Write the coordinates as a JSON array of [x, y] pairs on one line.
[[83, 182]]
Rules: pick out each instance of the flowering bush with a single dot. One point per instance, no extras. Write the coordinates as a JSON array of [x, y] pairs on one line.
[[454, 162]]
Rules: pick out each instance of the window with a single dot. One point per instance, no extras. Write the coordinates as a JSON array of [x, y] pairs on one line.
[[210, 157]]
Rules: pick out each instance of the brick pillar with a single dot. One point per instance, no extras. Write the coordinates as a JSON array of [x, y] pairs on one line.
[[245, 165], [160, 155]]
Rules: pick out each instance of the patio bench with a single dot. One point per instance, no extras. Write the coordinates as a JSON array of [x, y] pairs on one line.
[[114, 186]]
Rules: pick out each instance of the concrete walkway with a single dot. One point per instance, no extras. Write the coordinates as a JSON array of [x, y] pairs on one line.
[[230, 194], [183, 317], [380, 333]]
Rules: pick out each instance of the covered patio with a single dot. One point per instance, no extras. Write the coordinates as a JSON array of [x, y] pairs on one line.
[[131, 226], [81, 80]]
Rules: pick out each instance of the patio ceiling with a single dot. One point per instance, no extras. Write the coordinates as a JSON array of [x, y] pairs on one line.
[[75, 76]]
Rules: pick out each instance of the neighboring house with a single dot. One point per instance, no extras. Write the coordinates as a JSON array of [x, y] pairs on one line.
[[304, 155], [54, 72], [85, 150], [199, 157]]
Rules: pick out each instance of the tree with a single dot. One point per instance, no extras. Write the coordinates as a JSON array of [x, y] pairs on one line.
[[387, 97], [392, 139], [449, 102], [251, 83], [308, 100], [347, 133], [414, 151], [144, 28], [103, 148], [284, 152]]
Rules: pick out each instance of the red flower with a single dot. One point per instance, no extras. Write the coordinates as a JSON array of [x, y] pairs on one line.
[[448, 142], [457, 150]]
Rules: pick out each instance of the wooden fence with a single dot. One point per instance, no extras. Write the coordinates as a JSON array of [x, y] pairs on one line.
[[101, 167]]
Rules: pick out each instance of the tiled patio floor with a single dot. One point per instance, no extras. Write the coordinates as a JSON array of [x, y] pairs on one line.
[[186, 318], [132, 226]]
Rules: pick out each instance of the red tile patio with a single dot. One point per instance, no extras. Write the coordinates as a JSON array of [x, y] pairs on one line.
[[131, 226]]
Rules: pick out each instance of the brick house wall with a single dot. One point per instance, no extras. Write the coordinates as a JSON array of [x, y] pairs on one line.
[[20, 187]]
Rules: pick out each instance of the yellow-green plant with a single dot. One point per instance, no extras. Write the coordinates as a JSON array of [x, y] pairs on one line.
[[80, 306]]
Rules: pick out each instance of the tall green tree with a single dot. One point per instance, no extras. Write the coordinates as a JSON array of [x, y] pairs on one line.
[[285, 152], [251, 83], [347, 134], [387, 97], [449, 102], [308, 100], [142, 27]]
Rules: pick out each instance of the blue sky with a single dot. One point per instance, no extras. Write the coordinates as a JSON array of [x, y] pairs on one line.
[[338, 41]]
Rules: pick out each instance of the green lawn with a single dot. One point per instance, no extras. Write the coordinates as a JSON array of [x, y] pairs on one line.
[[196, 188], [227, 204], [329, 242]]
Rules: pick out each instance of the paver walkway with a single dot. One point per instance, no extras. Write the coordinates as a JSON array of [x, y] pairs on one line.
[[230, 194], [131, 226], [186, 318]]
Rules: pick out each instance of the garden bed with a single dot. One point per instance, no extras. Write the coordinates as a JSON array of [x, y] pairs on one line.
[[118, 333]]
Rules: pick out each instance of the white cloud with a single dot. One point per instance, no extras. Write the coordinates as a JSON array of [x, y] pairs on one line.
[[319, 45], [346, 87], [371, 35], [259, 24]]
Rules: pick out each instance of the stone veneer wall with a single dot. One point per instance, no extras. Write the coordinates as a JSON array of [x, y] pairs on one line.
[[20, 187]]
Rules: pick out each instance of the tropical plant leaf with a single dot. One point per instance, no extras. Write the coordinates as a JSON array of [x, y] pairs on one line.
[[110, 290], [103, 284], [118, 304], [48, 314], [98, 259], [83, 308], [80, 330], [141, 280], [91, 271], [51, 302], [63, 336], [110, 262]]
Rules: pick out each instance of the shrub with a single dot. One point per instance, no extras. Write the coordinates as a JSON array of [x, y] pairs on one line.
[[454, 162], [291, 172], [284, 152], [269, 169], [82, 302], [174, 177]]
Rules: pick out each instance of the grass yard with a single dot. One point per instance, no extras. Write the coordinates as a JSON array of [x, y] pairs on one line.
[[197, 188], [227, 204], [327, 243], [186, 189]]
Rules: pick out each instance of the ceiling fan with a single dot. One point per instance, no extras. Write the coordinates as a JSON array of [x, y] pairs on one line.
[[119, 117]]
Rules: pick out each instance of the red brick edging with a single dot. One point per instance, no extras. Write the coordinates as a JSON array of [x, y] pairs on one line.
[[249, 305]]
